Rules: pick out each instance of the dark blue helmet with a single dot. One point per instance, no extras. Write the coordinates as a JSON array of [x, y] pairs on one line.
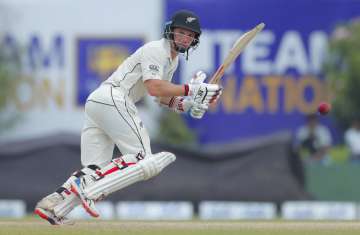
[[183, 19]]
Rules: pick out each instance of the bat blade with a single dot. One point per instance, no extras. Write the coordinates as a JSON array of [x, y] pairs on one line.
[[235, 51]]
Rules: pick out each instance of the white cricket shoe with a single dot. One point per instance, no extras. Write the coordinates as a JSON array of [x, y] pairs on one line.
[[50, 201], [45, 209], [52, 218], [77, 187]]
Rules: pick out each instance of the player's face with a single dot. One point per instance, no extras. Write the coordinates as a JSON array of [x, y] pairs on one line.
[[183, 37]]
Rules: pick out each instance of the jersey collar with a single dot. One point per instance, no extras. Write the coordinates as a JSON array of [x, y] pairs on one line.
[[168, 48]]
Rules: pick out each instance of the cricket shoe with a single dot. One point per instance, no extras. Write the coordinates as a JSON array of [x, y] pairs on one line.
[[77, 187], [52, 218], [45, 207], [50, 201]]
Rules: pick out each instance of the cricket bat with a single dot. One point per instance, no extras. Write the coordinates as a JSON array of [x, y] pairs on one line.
[[235, 51]]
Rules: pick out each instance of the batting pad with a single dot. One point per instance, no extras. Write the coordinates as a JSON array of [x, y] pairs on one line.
[[145, 169], [67, 205], [70, 199]]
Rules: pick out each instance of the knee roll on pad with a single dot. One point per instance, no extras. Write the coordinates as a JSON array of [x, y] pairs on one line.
[[153, 165]]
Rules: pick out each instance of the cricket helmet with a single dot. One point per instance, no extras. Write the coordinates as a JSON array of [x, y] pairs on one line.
[[183, 19]]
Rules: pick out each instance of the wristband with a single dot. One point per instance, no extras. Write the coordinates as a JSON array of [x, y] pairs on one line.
[[186, 88]]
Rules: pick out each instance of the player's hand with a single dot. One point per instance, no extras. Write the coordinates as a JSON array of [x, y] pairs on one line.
[[215, 97], [201, 102], [198, 110], [181, 104], [198, 78], [184, 104], [203, 92]]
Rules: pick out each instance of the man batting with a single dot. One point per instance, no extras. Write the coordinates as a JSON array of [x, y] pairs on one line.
[[111, 118]]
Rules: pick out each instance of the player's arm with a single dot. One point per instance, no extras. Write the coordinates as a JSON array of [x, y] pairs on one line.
[[178, 104], [165, 101], [179, 98], [181, 104], [170, 95], [163, 88], [152, 66]]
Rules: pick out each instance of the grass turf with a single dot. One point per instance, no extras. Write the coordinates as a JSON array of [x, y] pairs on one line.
[[34, 226]]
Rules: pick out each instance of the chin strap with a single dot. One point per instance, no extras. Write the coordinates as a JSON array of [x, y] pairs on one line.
[[182, 50]]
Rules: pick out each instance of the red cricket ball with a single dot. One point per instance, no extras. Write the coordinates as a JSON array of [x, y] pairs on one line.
[[324, 108]]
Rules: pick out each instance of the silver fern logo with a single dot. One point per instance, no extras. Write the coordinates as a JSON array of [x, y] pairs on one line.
[[190, 19]]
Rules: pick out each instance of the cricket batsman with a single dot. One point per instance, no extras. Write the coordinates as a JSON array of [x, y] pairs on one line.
[[111, 118]]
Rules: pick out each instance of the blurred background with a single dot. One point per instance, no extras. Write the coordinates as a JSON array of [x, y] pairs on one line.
[[264, 151]]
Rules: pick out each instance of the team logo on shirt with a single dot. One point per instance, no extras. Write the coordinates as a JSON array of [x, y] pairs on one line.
[[97, 59]]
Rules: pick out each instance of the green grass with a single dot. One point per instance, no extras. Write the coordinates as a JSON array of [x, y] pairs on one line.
[[339, 154], [278, 227]]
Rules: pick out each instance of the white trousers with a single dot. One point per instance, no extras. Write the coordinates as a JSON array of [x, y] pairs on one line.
[[111, 118]]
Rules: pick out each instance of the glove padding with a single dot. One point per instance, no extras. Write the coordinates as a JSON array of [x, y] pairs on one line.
[[181, 104], [198, 78], [201, 102], [197, 111], [203, 92]]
